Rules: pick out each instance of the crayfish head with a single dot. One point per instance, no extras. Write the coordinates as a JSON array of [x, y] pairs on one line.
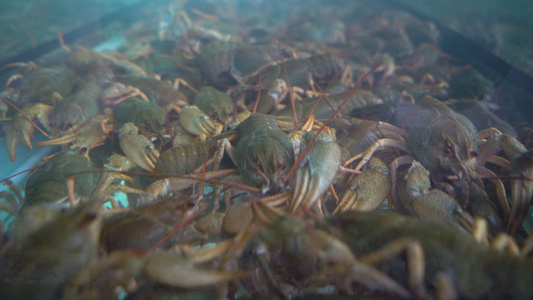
[[269, 175], [453, 150], [266, 165]]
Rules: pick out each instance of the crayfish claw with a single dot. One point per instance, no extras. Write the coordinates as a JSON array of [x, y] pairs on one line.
[[362, 193], [317, 170], [137, 147], [198, 123]]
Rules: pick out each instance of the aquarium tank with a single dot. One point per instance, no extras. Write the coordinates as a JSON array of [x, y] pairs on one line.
[[241, 149]]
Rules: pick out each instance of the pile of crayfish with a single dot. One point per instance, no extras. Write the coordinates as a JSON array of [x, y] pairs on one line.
[[279, 158]]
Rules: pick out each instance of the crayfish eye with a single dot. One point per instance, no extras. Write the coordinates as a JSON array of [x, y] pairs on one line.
[[447, 150], [258, 168], [214, 115], [281, 165], [88, 218], [474, 153]]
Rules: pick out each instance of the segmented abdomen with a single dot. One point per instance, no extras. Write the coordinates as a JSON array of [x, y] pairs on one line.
[[184, 159]]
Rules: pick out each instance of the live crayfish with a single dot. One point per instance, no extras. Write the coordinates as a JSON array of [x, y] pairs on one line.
[[446, 143], [214, 103], [159, 92], [415, 195], [493, 275], [46, 259], [147, 116], [282, 167], [337, 251], [48, 183], [301, 258], [47, 85], [224, 61], [263, 154], [302, 74], [78, 107], [145, 225]]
